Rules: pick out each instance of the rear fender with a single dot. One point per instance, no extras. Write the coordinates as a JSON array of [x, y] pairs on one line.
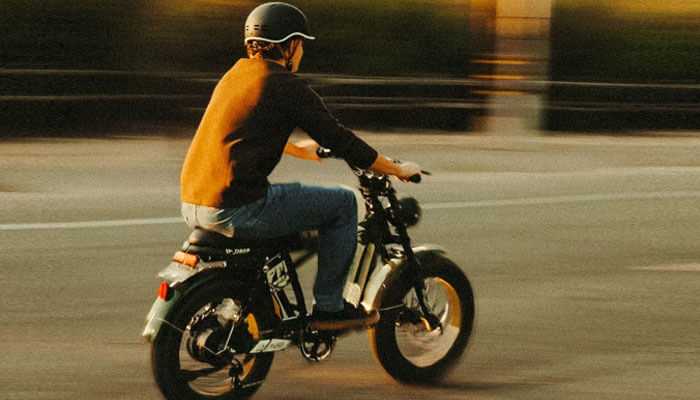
[[383, 276], [179, 291]]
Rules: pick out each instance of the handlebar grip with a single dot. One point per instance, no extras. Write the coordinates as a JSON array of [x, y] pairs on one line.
[[415, 178]]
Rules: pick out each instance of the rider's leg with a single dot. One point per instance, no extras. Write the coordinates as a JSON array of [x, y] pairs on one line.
[[290, 208]]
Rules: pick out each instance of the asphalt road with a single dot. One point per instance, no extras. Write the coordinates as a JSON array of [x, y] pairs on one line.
[[583, 253]]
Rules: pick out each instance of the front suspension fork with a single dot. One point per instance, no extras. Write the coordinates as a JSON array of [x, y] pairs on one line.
[[414, 275], [419, 287]]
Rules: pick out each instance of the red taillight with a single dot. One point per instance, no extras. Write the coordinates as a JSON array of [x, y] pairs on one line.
[[163, 291]]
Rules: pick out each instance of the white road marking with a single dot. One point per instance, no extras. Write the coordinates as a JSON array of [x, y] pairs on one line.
[[91, 224], [601, 172], [527, 201], [670, 268], [563, 199]]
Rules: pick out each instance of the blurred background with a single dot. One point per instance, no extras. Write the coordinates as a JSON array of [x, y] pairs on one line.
[[562, 136], [499, 66]]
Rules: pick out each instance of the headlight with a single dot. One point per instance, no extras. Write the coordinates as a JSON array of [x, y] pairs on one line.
[[409, 211]]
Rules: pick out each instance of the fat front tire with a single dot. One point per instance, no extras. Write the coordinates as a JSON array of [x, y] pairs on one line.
[[180, 375], [404, 344]]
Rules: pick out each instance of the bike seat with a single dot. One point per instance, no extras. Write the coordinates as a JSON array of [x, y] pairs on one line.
[[213, 243], [204, 238]]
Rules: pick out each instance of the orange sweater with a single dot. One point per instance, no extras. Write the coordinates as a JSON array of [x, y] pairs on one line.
[[241, 138]]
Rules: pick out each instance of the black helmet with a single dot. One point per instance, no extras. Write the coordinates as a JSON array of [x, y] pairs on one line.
[[275, 23]]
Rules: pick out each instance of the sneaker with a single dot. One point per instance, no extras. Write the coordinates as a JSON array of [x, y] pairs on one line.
[[349, 318]]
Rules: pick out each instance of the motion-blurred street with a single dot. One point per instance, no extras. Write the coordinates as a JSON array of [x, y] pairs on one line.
[[582, 250]]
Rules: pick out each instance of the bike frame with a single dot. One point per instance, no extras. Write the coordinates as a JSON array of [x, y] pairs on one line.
[[366, 280]]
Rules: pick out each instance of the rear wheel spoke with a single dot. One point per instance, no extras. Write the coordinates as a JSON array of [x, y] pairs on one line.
[[207, 373]]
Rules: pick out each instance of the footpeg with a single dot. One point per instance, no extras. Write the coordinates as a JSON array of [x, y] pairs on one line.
[[316, 346]]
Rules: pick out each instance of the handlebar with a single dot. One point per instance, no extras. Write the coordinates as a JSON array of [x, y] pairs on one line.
[[323, 152]]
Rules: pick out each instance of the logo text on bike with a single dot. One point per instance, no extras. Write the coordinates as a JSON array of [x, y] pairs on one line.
[[278, 275]]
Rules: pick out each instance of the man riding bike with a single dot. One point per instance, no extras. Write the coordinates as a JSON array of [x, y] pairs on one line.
[[241, 138]]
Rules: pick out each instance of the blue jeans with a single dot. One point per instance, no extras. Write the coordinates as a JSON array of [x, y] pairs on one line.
[[290, 208]]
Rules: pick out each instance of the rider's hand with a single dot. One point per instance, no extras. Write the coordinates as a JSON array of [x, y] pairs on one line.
[[407, 170], [402, 170], [304, 149]]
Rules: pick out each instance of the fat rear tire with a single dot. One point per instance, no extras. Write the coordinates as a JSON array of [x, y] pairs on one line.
[[166, 348]]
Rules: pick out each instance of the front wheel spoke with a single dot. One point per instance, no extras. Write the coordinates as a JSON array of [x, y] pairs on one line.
[[423, 338], [315, 347]]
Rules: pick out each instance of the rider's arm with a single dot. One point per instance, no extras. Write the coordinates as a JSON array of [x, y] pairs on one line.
[[308, 111]]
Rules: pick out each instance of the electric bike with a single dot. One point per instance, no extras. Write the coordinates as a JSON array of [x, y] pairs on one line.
[[226, 305]]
